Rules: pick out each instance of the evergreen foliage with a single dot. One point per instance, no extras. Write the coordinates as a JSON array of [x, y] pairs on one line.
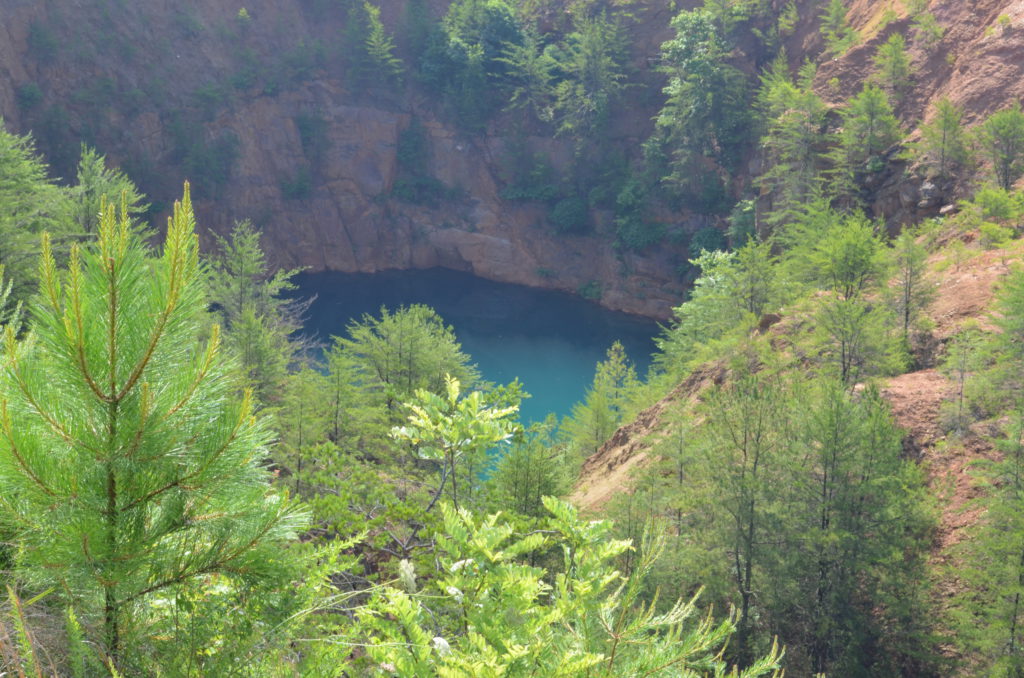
[[838, 34], [794, 119], [943, 144], [380, 48], [1002, 138], [604, 408], [531, 74], [913, 293], [593, 58], [778, 478], [705, 111], [712, 310], [257, 320], [96, 184], [534, 466], [29, 204], [129, 467], [406, 350], [584, 619], [869, 129], [893, 66]]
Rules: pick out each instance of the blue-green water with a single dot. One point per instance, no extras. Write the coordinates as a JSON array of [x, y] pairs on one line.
[[551, 341]]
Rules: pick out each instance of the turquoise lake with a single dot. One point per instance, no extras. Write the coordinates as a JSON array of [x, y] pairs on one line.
[[550, 340]]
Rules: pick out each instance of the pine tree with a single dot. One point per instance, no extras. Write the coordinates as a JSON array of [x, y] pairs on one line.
[[943, 144], [405, 350], [532, 467], [380, 48], [912, 293], [96, 183], [990, 613], [130, 467], [29, 203], [594, 62], [258, 322], [603, 409], [849, 259], [705, 111], [531, 72], [869, 128], [961, 361], [1002, 138], [835, 29], [793, 139], [893, 66], [741, 465], [732, 289], [355, 405], [303, 421], [862, 524]]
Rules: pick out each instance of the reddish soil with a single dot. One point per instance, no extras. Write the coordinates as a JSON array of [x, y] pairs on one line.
[[608, 471], [964, 289]]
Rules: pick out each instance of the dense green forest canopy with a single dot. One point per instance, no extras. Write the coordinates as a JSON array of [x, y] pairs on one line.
[[188, 489]]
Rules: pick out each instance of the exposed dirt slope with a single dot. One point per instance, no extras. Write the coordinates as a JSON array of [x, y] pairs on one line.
[[977, 64], [609, 471], [964, 287]]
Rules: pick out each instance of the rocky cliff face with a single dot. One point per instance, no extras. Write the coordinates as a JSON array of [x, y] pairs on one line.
[[166, 89], [149, 82]]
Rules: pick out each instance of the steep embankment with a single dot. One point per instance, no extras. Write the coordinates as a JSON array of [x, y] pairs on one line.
[[263, 114], [260, 112], [977, 65]]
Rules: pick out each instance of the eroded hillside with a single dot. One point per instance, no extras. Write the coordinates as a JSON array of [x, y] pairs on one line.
[[263, 114]]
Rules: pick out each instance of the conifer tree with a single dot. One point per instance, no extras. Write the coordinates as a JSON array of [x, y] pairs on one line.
[[705, 111], [531, 72], [380, 48], [594, 61], [131, 470], [734, 290], [1002, 138], [741, 464], [912, 293], [869, 128], [29, 203], [96, 183], [534, 466], [943, 143], [355, 405], [794, 135], [258, 322], [835, 29], [893, 66], [927, 28], [862, 525], [302, 420], [991, 612], [405, 350], [595, 419], [962, 359]]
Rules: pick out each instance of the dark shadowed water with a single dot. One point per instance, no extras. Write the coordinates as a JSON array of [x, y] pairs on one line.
[[551, 341]]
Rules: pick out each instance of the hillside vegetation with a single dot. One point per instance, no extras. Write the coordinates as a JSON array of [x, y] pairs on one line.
[[821, 474]]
